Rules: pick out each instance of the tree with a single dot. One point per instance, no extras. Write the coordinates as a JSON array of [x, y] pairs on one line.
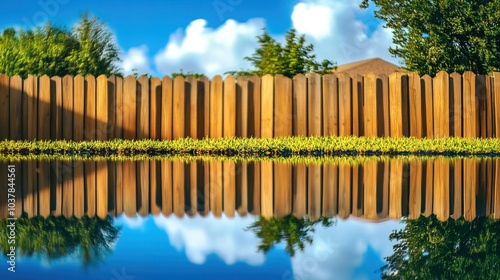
[[56, 237], [96, 52], [295, 57], [430, 249], [189, 73], [295, 232], [448, 35], [49, 50]]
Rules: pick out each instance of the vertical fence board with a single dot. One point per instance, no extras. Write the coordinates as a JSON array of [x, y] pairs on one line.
[[496, 103], [130, 108], [118, 110], [143, 108], [79, 189], [299, 94], [254, 106], [496, 204], [102, 183], [56, 108], [282, 189], [179, 106], [242, 117], [229, 188], [370, 189], [155, 109], [299, 185], [395, 104], [344, 204], [216, 111], [470, 106], [267, 106], [415, 102], [489, 107], [426, 84], [314, 98], [481, 88], [68, 107], [314, 191], [357, 105], [102, 111], [166, 187], [470, 176], [229, 107], [143, 185], [415, 191], [166, 108], [90, 186], [456, 98], [441, 105], [242, 194], [15, 112], [215, 194], [441, 189], [396, 189], [330, 190], [344, 104], [30, 88], [111, 107], [370, 106], [383, 114], [192, 108], [67, 192], [282, 107], [266, 194], [4, 107], [78, 108], [90, 108], [330, 105], [456, 183]]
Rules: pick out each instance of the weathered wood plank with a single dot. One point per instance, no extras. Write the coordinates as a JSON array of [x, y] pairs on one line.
[[143, 108], [415, 102], [216, 111], [283, 107], [102, 114], [299, 95], [314, 98], [229, 108], [267, 109], [370, 107], [470, 113], [395, 104], [330, 105]]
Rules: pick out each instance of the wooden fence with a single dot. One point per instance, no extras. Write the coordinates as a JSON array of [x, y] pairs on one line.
[[375, 190], [87, 108]]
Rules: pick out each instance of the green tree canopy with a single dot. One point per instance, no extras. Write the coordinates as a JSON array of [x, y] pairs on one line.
[[295, 57], [56, 237], [295, 232], [455, 249], [450, 35], [89, 49]]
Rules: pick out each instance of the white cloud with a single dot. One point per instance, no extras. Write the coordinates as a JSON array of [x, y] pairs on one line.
[[136, 222], [210, 51], [337, 251], [314, 20], [339, 35], [202, 236], [135, 60]]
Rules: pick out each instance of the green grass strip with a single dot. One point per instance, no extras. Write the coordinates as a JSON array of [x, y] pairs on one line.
[[252, 147]]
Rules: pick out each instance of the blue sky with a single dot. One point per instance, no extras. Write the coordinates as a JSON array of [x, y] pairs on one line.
[[212, 36], [158, 247]]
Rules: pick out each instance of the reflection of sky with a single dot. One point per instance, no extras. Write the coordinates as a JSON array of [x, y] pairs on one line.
[[220, 248]]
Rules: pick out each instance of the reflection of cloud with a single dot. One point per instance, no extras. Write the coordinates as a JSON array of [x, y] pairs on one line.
[[136, 222], [202, 236], [336, 252]]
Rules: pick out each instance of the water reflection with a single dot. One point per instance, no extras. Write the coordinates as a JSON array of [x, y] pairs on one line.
[[373, 191], [430, 249]]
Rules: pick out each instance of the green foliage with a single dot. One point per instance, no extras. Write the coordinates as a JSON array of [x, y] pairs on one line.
[[295, 232], [185, 75], [49, 50], [269, 147], [443, 35], [454, 249], [295, 57], [56, 237]]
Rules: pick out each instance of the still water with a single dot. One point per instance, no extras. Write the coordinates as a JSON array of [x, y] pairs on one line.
[[252, 220]]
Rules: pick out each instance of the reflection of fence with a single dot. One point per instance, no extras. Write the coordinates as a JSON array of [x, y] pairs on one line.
[[103, 108], [374, 190]]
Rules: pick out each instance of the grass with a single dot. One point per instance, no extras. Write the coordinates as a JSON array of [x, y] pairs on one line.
[[286, 147]]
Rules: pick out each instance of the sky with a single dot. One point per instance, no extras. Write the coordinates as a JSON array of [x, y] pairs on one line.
[[159, 247], [159, 37]]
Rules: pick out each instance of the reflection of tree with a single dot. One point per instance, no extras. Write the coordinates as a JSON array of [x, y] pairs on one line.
[[430, 249], [295, 232], [56, 237]]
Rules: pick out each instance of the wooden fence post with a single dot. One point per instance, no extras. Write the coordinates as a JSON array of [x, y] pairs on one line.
[[330, 105], [68, 109], [345, 104], [90, 108], [166, 108], [395, 100], [314, 98], [143, 108], [179, 106], [470, 115], [102, 111], [267, 111], [283, 106], [370, 107], [456, 115], [78, 108], [299, 94], [415, 102], [15, 113], [229, 108], [216, 109]]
